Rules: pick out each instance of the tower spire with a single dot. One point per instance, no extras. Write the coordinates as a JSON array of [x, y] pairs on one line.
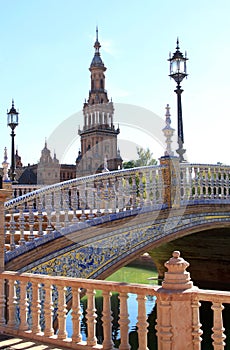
[[97, 45], [96, 33]]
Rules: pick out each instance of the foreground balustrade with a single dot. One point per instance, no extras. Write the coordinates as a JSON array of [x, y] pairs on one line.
[[63, 204], [31, 306], [31, 309]]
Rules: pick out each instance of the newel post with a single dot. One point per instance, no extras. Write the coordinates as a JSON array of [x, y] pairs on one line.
[[176, 320], [171, 180]]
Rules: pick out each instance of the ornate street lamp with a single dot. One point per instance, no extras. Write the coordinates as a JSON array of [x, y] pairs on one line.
[[178, 72], [12, 122]]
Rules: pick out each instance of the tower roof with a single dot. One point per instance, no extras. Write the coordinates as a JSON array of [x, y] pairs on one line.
[[97, 61]]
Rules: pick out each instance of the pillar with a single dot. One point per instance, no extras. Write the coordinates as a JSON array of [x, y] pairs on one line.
[[175, 320], [171, 180]]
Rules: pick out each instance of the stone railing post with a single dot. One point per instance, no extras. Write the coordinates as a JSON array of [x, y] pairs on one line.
[[171, 180], [175, 328], [4, 195]]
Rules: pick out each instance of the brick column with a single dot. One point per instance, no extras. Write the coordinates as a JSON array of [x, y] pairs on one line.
[[171, 179], [175, 321]]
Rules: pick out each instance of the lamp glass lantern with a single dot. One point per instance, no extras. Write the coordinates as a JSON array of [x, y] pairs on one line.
[[12, 118], [178, 68]]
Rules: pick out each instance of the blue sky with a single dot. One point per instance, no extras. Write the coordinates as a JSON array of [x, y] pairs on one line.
[[46, 47]]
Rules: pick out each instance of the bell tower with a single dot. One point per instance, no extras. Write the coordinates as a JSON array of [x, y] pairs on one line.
[[98, 136]]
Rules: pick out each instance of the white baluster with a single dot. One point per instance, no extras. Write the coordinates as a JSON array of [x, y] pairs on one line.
[[31, 222], [106, 196], [206, 176], [218, 335], [76, 315], [134, 191], [21, 224], [160, 187], [36, 308], [74, 204], [127, 193], [98, 200], [12, 304], [48, 309], [48, 208], [40, 216], [23, 306], [141, 189], [211, 182], [57, 209], [124, 322], [90, 197], [227, 184], [62, 312], [142, 324], [190, 184], [120, 199], [113, 197], [147, 188], [12, 229], [65, 196], [154, 187], [2, 302], [107, 321], [91, 318], [196, 183], [196, 325], [83, 202]]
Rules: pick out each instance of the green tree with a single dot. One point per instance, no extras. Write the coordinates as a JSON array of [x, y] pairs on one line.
[[145, 158]]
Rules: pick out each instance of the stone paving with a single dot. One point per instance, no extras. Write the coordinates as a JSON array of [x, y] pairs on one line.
[[19, 343]]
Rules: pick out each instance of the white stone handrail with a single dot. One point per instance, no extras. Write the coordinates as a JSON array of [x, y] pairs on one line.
[[76, 200]]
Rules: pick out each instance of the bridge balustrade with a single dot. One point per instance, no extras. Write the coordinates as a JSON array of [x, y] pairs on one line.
[[61, 205], [201, 183], [19, 190], [27, 310]]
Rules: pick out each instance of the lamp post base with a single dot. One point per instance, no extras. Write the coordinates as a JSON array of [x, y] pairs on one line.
[[181, 152]]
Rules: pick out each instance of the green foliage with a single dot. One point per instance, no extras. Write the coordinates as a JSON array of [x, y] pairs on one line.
[[145, 158]]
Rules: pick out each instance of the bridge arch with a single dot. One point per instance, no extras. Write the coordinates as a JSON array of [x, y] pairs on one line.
[[101, 246]]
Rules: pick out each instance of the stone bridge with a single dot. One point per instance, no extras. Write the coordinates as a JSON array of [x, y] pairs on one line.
[[89, 227]]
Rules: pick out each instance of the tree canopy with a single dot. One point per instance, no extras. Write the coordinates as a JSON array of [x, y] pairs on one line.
[[145, 158]]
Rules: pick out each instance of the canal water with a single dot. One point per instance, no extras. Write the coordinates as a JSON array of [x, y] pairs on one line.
[[140, 274]]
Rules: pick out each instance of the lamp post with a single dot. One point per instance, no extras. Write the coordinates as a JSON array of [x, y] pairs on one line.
[[178, 72], [12, 122]]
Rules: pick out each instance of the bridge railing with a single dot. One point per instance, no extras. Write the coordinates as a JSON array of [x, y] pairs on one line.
[[19, 190], [28, 307], [66, 203], [204, 182]]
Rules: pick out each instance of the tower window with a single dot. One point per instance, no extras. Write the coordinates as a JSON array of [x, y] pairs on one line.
[[88, 147], [102, 84]]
